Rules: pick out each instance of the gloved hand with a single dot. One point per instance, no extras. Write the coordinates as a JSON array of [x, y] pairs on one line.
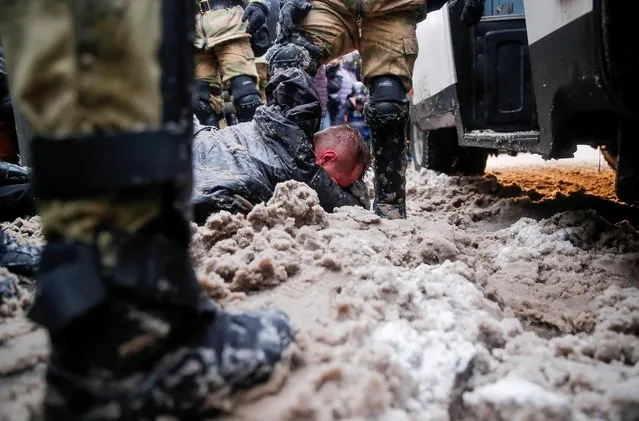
[[292, 13], [255, 14], [330, 195], [359, 189], [473, 11]]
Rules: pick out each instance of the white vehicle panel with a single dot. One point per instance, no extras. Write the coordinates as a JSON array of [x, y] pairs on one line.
[[435, 67], [546, 16]]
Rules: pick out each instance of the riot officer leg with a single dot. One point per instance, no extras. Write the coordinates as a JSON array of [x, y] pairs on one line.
[[261, 65], [389, 49], [208, 86], [322, 35], [246, 97], [239, 75], [387, 115], [299, 53], [132, 335]]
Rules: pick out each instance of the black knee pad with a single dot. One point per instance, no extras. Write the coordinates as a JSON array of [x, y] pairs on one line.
[[203, 110], [387, 105], [246, 97], [300, 53]]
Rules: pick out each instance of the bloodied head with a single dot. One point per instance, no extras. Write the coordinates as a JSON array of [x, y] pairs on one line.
[[343, 153]]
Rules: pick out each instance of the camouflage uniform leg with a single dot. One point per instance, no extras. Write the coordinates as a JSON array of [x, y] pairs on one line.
[[327, 32], [222, 34], [236, 58], [207, 69], [77, 94], [132, 335], [389, 47], [388, 51], [239, 76], [261, 66], [331, 26]]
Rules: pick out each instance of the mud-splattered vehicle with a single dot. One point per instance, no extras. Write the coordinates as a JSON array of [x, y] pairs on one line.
[[540, 76]]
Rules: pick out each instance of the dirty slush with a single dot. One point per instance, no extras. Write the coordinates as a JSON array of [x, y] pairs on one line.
[[491, 302]]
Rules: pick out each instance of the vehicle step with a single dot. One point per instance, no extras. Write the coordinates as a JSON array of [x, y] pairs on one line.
[[520, 140]]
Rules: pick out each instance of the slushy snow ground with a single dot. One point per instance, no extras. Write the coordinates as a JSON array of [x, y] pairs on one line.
[[495, 300]]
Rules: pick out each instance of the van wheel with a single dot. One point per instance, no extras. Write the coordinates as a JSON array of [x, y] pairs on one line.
[[627, 158], [438, 150], [470, 161], [609, 155]]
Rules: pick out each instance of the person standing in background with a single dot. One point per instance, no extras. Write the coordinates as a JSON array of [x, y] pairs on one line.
[[349, 78], [334, 84], [321, 84], [225, 59]]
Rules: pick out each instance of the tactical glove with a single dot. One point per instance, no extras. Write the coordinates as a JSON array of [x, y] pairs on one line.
[[473, 11], [331, 195], [292, 13], [359, 189], [255, 14]]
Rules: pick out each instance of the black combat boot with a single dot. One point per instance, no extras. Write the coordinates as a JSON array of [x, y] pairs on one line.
[[13, 174], [16, 200], [19, 258], [204, 110], [139, 339]]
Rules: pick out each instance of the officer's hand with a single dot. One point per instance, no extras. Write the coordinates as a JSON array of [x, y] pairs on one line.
[[292, 13], [255, 14], [359, 190], [473, 11]]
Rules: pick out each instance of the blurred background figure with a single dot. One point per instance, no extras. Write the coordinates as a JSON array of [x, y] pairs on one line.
[[334, 84], [348, 73], [354, 110], [321, 84]]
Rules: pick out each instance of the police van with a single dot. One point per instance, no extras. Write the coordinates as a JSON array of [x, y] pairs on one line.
[[538, 76]]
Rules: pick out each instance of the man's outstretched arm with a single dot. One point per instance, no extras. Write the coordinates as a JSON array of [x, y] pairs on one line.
[[331, 195]]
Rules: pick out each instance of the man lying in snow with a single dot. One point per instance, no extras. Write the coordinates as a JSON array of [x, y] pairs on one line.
[[239, 166]]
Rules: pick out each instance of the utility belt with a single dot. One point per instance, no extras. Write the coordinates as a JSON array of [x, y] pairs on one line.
[[208, 5]]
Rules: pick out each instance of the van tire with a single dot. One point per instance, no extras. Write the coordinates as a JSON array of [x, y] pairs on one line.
[[610, 156], [438, 150], [470, 161]]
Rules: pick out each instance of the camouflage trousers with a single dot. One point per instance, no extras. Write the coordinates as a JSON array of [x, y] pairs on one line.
[[224, 51], [262, 66], [385, 39], [61, 57]]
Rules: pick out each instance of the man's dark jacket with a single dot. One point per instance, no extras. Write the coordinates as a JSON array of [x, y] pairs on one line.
[[240, 166]]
